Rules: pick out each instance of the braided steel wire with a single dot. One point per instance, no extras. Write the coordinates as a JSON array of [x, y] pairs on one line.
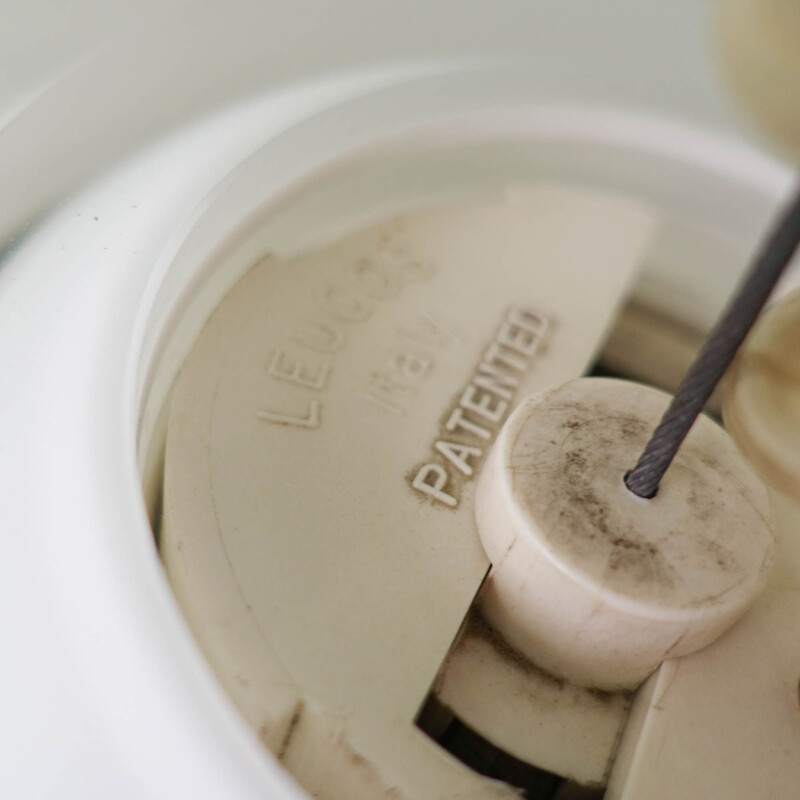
[[717, 352]]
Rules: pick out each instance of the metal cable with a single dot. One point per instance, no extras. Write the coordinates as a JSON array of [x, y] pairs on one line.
[[717, 353]]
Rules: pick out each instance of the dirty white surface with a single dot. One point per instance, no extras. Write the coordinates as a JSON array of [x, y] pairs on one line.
[[324, 438], [599, 584], [558, 726], [737, 701], [734, 704]]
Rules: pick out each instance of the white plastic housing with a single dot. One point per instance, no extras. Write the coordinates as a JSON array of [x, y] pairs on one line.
[[121, 127]]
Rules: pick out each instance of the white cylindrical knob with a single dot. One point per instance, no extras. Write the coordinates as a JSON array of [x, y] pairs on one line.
[[592, 583]]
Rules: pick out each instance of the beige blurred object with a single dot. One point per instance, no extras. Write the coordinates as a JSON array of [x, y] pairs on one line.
[[759, 43], [761, 399]]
